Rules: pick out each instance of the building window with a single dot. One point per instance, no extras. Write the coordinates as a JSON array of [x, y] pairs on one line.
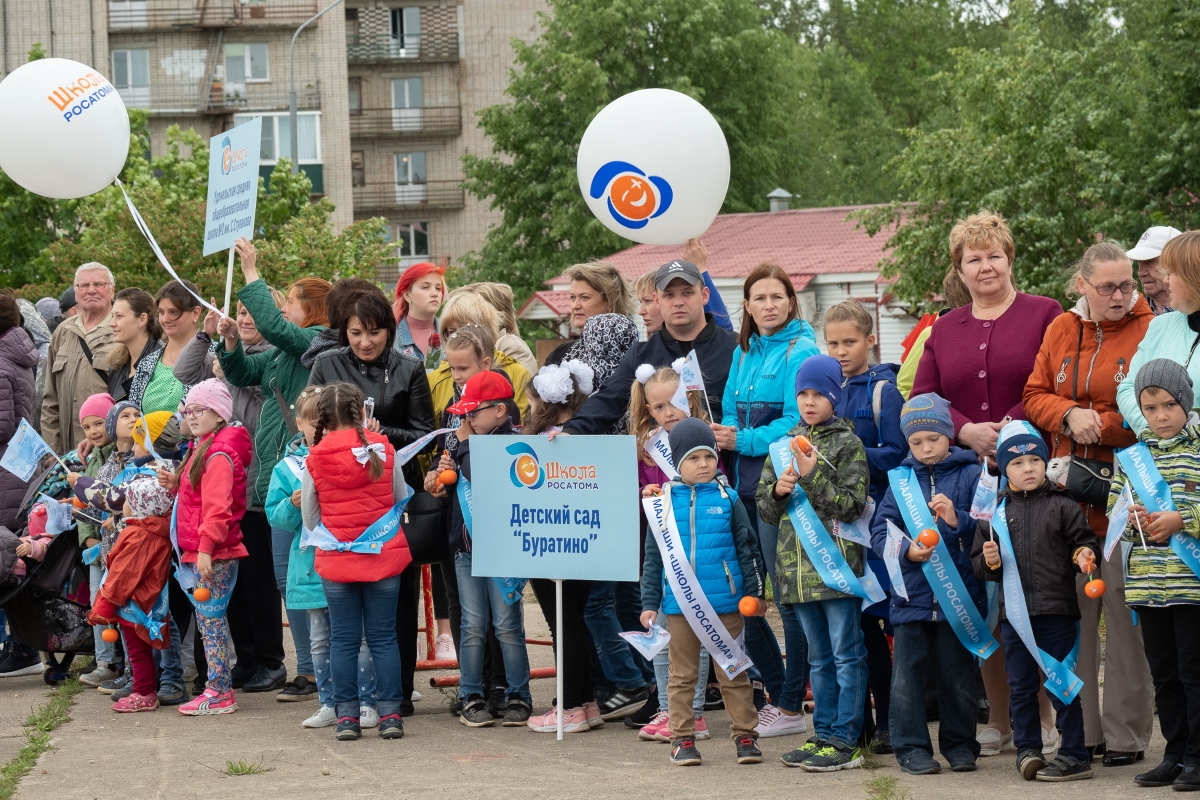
[[410, 168], [412, 240], [246, 63], [408, 101], [406, 22], [277, 136], [356, 96], [131, 69]]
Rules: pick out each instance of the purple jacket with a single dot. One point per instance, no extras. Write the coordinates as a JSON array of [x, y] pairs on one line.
[[981, 366], [18, 357]]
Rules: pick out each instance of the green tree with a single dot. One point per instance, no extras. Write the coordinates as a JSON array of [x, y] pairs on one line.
[[170, 192], [721, 52], [1040, 133]]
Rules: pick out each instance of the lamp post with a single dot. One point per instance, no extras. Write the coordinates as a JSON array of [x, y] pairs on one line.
[[293, 122]]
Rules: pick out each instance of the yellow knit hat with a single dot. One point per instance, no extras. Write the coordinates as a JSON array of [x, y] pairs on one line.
[[155, 422]]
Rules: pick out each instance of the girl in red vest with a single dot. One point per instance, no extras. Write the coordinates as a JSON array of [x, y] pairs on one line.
[[212, 501], [349, 502]]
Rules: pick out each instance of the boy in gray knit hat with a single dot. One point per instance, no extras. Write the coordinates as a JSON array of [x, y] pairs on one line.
[[1165, 379]]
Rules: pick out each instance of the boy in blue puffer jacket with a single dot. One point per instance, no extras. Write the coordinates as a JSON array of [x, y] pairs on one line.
[[722, 549], [947, 477]]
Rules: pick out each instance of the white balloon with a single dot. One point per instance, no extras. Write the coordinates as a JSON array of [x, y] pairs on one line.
[[65, 131], [653, 166]]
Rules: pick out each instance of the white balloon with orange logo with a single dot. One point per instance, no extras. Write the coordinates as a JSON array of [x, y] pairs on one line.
[[66, 130], [653, 166]]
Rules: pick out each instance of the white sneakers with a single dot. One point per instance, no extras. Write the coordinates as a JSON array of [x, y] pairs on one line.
[[1049, 740], [443, 648], [773, 722], [993, 743], [367, 717], [324, 717]]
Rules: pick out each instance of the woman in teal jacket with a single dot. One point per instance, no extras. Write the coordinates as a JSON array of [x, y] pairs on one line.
[[760, 408]]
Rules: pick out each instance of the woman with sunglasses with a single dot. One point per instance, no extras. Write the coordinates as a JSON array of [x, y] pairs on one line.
[[1072, 397]]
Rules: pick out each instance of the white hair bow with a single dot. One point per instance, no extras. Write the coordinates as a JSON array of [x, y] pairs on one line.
[[363, 454], [553, 383], [644, 373], [583, 373]]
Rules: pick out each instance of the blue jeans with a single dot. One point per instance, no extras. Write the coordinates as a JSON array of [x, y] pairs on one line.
[[662, 673], [171, 660], [355, 608], [281, 548], [795, 675], [1054, 633], [837, 660], [106, 652], [480, 599], [914, 643], [616, 656], [318, 629]]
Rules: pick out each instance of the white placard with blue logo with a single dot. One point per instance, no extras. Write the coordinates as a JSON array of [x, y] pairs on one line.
[[232, 186], [564, 509]]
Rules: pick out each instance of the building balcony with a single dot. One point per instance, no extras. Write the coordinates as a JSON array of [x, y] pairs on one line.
[[419, 47], [204, 97], [134, 15], [408, 196], [406, 122]]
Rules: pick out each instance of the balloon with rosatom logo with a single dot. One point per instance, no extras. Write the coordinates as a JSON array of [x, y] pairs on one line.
[[653, 166], [65, 131]]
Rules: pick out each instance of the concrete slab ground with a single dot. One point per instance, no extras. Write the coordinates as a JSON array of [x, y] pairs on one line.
[[164, 755]]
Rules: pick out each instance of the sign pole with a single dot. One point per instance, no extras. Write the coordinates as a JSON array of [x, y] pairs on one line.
[[228, 282], [558, 615]]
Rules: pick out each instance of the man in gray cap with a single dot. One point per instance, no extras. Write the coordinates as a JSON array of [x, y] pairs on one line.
[[1146, 253]]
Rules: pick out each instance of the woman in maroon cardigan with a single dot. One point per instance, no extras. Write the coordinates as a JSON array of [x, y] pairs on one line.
[[979, 357]]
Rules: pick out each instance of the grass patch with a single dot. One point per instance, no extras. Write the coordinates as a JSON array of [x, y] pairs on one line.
[[885, 787], [870, 760], [246, 767], [38, 726]]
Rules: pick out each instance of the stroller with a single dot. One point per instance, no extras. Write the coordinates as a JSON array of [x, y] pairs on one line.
[[44, 607]]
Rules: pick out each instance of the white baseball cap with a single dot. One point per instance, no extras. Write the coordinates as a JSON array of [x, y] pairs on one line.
[[1152, 242]]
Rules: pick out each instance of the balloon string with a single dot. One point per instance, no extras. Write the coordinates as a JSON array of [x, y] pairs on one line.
[[162, 259]]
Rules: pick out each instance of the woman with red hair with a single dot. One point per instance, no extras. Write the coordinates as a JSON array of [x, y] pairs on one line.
[[419, 294]]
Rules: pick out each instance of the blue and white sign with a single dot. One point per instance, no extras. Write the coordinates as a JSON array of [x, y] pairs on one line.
[[25, 452], [563, 509], [232, 186]]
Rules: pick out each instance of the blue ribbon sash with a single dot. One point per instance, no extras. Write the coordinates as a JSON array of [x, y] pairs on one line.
[[511, 588], [155, 621], [1154, 492], [822, 551], [940, 570], [189, 578], [1061, 680], [369, 542]]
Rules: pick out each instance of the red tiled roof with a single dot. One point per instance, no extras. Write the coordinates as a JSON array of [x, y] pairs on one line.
[[558, 302], [805, 242]]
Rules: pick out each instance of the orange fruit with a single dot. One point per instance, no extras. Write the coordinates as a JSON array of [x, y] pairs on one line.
[[201, 594], [1094, 588], [748, 606], [448, 477], [77, 503], [801, 444], [110, 635], [928, 538]]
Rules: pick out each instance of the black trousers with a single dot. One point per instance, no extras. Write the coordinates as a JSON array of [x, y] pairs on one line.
[[879, 676], [1171, 636], [578, 649], [184, 614], [407, 606], [256, 608]]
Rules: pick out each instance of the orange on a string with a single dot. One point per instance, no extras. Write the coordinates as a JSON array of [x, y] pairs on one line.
[[748, 606], [201, 594]]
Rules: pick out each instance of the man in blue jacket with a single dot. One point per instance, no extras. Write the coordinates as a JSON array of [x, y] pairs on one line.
[[681, 296]]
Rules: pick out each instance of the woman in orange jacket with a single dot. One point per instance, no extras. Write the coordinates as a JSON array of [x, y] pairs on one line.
[[1072, 397]]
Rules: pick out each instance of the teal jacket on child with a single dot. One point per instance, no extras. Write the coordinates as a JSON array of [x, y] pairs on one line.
[[304, 589]]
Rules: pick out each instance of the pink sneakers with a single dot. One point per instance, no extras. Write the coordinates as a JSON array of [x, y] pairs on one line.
[[136, 702], [574, 721], [659, 731], [592, 710], [210, 702]]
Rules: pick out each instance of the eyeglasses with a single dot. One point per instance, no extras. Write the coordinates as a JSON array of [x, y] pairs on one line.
[[194, 412], [471, 414], [97, 285], [1109, 289]]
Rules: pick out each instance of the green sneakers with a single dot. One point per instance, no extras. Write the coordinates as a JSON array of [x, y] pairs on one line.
[[833, 755], [801, 754]]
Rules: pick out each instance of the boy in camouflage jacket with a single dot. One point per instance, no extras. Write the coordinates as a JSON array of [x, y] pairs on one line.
[[835, 479]]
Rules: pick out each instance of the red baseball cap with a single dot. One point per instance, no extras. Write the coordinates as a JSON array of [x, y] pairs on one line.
[[482, 388]]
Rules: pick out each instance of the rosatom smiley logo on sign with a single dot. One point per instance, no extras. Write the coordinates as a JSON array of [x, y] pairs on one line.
[[634, 197], [525, 470], [232, 158]]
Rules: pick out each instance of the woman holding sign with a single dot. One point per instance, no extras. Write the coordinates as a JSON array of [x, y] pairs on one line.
[[760, 408], [17, 359], [1072, 398]]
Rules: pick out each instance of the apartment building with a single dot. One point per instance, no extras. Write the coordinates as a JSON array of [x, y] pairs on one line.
[[388, 91]]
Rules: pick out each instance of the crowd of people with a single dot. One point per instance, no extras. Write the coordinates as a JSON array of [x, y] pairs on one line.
[[930, 533]]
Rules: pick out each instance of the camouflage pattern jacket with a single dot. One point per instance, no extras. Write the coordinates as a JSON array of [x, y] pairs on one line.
[[837, 492]]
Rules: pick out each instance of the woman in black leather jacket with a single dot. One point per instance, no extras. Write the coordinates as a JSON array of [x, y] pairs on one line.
[[401, 409]]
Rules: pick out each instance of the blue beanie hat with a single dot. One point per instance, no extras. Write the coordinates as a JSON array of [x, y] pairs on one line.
[[822, 373], [110, 419], [927, 412], [1019, 438], [688, 435]]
